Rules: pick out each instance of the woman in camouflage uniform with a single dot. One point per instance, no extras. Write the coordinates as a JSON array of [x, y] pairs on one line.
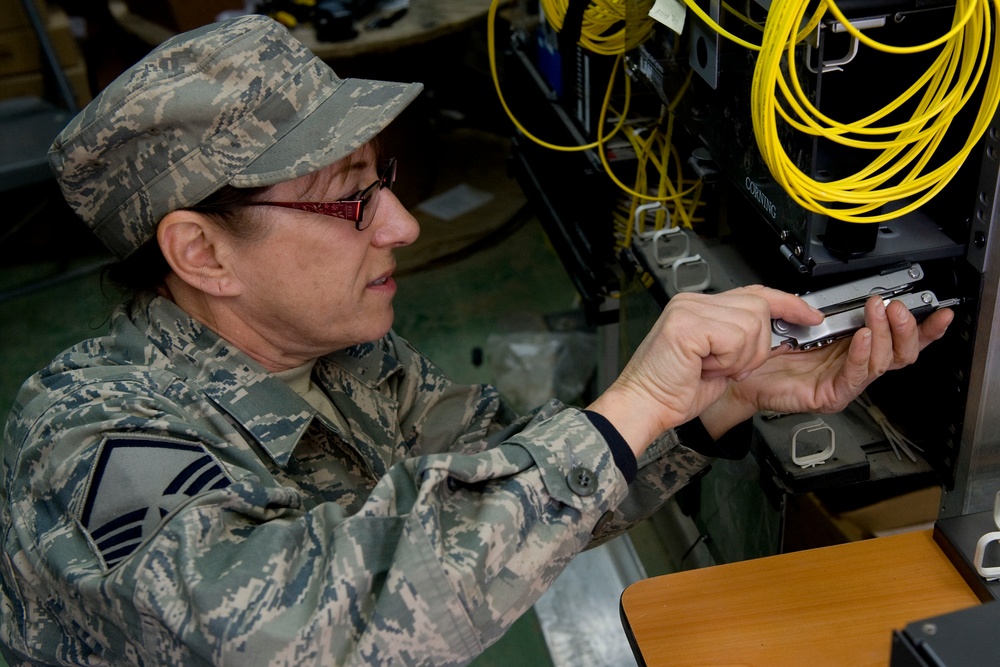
[[252, 468]]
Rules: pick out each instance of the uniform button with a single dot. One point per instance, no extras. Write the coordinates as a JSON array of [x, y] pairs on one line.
[[581, 481], [602, 522]]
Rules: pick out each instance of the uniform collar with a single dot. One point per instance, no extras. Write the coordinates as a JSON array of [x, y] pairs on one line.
[[271, 412]]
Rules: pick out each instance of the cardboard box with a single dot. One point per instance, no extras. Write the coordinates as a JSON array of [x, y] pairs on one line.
[[20, 52], [909, 511], [182, 15], [12, 14], [809, 523]]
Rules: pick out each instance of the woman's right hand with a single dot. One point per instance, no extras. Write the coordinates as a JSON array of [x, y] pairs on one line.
[[696, 347]]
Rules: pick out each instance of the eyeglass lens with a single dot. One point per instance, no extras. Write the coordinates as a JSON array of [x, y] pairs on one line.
[[369, 196]]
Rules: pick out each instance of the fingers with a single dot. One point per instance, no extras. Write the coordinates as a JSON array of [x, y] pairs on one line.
[[783, 305], [891, 339], [730, 332], [734, 326], [906, 343], [733, 352], [779, 305], [859, 370], [829, 377], [882, 342], [934, 327], [908, 337]]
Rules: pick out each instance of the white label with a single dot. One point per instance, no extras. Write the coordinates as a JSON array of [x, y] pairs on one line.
[[670, 13]]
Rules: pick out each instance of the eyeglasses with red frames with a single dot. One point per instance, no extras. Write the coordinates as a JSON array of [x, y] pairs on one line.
[[359, 207]]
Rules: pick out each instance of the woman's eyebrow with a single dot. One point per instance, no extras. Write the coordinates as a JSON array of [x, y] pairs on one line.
[[362, 163], [345, 169], [337, 176]]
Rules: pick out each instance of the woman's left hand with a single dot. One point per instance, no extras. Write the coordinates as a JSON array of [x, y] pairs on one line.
[[827, 379]]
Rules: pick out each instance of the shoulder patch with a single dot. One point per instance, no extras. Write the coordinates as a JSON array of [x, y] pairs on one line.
[[135, 482]]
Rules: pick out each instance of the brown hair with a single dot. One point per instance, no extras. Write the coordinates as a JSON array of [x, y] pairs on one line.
[[146, 269]]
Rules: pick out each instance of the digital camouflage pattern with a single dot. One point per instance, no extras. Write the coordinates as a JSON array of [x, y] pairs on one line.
[[167, 501], [241, 103]]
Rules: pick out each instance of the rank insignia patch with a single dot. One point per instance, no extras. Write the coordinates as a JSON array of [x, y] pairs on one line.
[[136, 482]]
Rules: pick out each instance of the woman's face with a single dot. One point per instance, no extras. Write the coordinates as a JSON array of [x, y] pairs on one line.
[[313, 283]]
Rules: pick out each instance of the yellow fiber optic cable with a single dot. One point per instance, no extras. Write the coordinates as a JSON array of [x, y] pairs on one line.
[[806, 30], [679, 197], [729, 9], [491, 49], [604, 25], [679, 194], [899, 170], [674, 195]]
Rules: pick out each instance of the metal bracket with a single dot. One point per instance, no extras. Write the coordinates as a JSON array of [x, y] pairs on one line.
[[810, 460], [640, 213], [691, 266], [670, 245], [852, 49], [988, 573]]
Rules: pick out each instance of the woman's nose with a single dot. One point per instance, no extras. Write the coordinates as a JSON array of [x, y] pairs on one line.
[[393, 224]]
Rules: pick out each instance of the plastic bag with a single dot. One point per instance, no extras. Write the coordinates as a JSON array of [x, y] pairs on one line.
[[531, 367]]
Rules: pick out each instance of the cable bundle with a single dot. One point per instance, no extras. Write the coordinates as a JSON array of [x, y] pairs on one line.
[[491, 49], [681, 197], [604, 24], [900, 170], [659, 178]]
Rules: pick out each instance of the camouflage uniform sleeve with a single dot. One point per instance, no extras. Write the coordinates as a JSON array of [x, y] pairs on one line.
[[478, 418], [665, 468], [437, 414], [445, 553]]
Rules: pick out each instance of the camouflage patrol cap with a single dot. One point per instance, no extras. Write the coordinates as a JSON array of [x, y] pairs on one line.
[[240, 102]]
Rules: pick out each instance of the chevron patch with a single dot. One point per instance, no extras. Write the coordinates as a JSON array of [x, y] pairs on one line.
[[136, 482]]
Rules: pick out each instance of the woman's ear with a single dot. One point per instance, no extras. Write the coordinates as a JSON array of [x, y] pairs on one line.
[[197, 252]]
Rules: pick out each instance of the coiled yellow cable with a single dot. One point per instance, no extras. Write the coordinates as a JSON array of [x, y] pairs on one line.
[[667, 192], [806, 30], [679, 196], [604, 25], [899, 170], [491, 49]]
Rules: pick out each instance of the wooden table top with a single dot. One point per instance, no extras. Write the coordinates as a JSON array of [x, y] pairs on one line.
[[831, 606]]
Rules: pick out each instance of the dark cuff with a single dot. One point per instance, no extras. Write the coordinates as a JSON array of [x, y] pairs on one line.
[[734, 444], [620, 451]]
